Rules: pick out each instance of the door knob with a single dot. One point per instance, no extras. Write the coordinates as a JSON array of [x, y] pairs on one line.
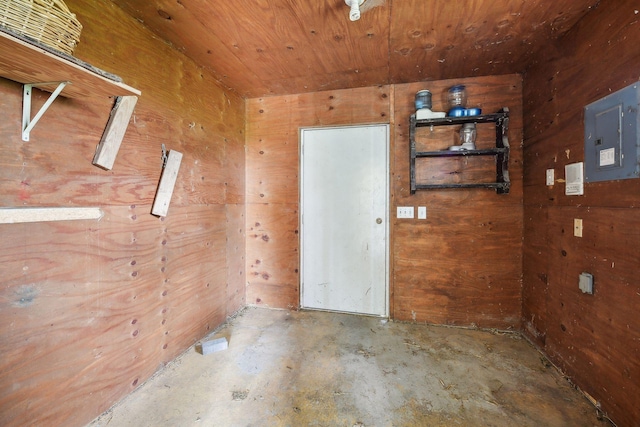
[[379, 220]]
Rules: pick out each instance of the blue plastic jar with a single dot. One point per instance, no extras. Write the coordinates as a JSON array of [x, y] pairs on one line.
[[423, 99]]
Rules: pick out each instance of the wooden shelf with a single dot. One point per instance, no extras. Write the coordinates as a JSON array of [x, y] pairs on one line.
[[451, 153], [27, 63], [484, 118], [35, 65], [500, 187], [500, 151]]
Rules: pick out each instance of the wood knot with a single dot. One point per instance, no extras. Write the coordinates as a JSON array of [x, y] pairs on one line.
[[164, 14]]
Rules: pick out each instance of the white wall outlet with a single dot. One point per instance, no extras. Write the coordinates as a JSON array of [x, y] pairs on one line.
[[586, 283], [550, 176], [422, 212], [405, 212], [577, 227]]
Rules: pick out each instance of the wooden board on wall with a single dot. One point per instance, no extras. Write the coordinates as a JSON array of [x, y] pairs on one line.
[[113, 134]]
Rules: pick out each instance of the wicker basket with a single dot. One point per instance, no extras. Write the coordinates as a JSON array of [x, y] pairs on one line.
[[46, 21]]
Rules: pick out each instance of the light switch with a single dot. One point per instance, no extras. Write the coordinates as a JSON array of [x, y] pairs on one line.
[[577, 227], [550, 176], [404, 212], [422, 212]]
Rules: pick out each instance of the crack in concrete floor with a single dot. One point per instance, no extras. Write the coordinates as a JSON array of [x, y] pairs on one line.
[[288, 368]]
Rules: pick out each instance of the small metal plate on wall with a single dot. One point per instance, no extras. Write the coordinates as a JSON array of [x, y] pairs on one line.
[[612, 136]]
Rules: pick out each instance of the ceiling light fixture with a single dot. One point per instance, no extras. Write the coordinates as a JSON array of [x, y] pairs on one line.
[[354, 13]]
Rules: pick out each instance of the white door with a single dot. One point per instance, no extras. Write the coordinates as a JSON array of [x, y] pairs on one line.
[[343, 205]]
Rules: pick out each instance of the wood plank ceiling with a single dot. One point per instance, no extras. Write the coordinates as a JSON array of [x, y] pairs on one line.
[[276, 47]]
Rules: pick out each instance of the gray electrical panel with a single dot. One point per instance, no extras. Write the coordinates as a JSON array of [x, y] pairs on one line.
[[612, 136]]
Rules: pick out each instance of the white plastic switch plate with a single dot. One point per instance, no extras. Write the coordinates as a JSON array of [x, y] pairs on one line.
[[586, 283], [577, 227], [574, 177], [405, 212], [550, 176], [422, 212]]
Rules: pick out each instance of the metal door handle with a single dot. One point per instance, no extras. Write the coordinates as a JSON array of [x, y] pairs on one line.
[[379, 220]]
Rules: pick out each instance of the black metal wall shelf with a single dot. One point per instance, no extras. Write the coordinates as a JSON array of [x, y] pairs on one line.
[[501, 150]]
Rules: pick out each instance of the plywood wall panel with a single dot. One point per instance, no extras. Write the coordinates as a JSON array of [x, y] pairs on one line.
[[94, 308], [584, 330], [455, 170], [195, 290], [235, 169], [274, 178], [482, 231], [35, 170], [223, 53], [236, 278], [536, 294], [463, 264], [152, 300], [594, 338], [448, 40], [273, 126], [108, 325], [273, 256], [446, 261], [276, 47]]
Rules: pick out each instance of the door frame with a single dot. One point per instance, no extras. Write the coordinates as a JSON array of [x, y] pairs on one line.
[[387, 223]]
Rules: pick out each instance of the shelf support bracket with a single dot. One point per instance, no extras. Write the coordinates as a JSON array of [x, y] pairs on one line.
[[27, 122]]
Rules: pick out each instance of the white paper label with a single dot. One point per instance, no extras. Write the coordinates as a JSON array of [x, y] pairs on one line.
[[608, 157]]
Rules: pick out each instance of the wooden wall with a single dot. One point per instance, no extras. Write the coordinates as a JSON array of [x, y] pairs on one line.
[[594, 339], [90, 309], [273, 124], [462, 266]]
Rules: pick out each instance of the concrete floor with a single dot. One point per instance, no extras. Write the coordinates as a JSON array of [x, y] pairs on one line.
[[286, 368]]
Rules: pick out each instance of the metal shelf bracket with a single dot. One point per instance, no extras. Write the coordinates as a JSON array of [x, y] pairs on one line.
[[27, 122]]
